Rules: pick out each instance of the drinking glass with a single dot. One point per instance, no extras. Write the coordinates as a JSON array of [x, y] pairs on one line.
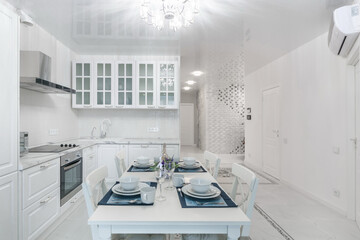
[[170, 185], [160, 177]]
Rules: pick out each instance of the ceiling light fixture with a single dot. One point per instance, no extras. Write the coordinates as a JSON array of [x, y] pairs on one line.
[[197, 73], [191, 82], [186, 88], [173, 13]]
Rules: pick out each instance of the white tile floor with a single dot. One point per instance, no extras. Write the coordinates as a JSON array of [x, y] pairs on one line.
[[281, 213]]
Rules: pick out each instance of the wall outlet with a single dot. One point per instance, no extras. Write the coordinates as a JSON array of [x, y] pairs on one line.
[[336, 193], [153, 129], [53, 132], [336, 150]]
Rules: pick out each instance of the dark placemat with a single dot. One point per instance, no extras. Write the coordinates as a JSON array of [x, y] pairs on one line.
[[190, 202], [135, 169], [201, 169], [113, 199]]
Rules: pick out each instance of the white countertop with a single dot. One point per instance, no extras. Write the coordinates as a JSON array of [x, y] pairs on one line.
[[33, 159]]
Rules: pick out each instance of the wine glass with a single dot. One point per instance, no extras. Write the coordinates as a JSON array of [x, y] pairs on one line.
[[160, 177]]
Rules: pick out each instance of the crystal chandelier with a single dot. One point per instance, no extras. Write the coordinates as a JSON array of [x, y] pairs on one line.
[[172, 13]]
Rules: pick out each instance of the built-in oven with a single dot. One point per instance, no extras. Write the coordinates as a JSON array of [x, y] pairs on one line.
[[71, 166]]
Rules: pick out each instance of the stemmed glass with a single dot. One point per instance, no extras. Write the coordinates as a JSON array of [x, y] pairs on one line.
[[160, 177]]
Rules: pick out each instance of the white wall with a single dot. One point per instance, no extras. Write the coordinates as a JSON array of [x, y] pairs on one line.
[[191, 97], [312, 121], [40, 112], [131, 123]]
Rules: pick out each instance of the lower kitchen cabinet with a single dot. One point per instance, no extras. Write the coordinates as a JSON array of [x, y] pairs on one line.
[[106, 157], [149, 151], [40, 180], [90, 162], [40, 215], [9, 206]]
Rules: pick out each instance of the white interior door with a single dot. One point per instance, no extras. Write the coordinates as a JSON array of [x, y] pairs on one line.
[[270, 132], [357, 127], [187, 123]]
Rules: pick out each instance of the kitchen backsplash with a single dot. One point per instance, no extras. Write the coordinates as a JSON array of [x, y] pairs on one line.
[[130, 123]]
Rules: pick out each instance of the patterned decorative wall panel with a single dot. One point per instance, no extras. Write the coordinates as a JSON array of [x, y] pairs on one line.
[[222, 103]]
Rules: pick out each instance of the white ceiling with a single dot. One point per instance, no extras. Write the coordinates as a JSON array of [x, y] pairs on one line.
[[266, 29]]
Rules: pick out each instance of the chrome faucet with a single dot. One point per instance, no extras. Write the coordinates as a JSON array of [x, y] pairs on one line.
[[92, 132]]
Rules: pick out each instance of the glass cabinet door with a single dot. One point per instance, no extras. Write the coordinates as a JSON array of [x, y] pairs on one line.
[[167, 84], [82, 84], [104, 84], [125, 88], [146, 84]]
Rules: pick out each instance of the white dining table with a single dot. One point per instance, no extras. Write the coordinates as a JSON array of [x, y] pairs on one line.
[[167, 217]]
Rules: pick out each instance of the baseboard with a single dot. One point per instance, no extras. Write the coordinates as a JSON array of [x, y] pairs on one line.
[[314, 197], [60, 219]]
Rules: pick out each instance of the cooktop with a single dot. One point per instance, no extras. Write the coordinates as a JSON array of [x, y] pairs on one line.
[[52, 148]]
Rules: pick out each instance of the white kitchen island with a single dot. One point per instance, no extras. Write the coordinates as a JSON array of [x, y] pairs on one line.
[[168, 217]]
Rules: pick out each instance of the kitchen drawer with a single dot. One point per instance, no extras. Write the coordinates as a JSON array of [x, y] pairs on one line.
[[75, 200], [89, 150], [40, 215], [39, 181]]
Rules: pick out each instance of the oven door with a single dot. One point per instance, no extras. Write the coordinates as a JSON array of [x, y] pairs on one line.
[[70, 180]]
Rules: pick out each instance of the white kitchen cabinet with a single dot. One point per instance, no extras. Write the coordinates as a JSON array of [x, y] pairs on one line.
[[89, 160], [40, 215], [9, 206], [106, 157], [104, 85], [82, 83], [124, 85], [9, 91], [173, 150], [146, 84], [146, 150], [40, 180], [167, 85]]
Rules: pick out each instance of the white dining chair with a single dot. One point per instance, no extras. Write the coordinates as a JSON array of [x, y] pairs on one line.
[[243, 176], [212, 163], [94, 188], [120, 162]]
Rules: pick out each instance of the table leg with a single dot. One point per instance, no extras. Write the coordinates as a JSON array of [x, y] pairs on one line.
[[233, 232], [104, 232]]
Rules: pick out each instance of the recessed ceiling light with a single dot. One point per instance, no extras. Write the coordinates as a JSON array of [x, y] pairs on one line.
[[197, 73], [186, 88], [191, 82]]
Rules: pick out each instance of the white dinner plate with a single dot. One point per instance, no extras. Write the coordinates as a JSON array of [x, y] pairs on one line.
[[119, 190], [186, 192], [212, 191], [195, 166], [137, 165]]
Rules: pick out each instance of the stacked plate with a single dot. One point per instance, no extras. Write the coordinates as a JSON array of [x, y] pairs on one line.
[[213, 192], [194, 166], [138, 165], [117, 189]]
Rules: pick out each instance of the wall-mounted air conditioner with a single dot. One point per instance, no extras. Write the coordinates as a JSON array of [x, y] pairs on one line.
[[344, 29]]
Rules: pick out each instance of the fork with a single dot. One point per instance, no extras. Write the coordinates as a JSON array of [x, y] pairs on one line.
[[130, 201], [205, 203]]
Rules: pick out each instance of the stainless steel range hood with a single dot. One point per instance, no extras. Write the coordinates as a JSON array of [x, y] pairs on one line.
[[35, 73]]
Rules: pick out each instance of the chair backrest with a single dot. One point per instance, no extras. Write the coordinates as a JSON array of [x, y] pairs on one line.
[[212, 159], [120, 162], [244, 176], [94, 188]]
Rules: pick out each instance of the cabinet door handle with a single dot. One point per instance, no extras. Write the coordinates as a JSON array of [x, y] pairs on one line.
[[151, 106], [45, 166], [118, 106], [108, 106], [46, 200], [87, 106], [162, 106], [144, 146]]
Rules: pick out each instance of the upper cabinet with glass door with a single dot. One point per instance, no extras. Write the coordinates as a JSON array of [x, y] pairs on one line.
[[104, 85], [167, 85], [146, 85], [82, 85], [124, 85]]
